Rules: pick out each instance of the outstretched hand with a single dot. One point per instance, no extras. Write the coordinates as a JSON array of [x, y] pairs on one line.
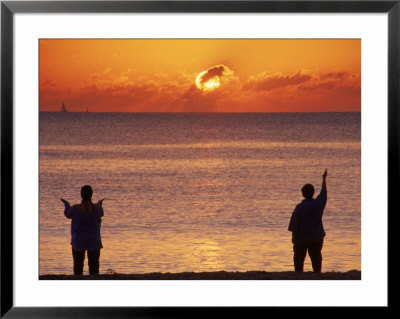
[[325, 174], [100, 202], [65, 202]]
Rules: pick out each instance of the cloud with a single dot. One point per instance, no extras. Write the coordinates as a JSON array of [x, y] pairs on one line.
[[210, 73], [158, 92], [341, 82], [317, 85], [48, 84], [215, 73], [268, 82], [117, 92], [335, 75], [193, 100]]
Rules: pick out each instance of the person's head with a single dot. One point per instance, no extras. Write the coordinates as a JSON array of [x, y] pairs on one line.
[[86, 192], [308, 191]]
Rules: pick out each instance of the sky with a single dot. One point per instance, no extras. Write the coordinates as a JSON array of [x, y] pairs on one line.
[[200, 75]]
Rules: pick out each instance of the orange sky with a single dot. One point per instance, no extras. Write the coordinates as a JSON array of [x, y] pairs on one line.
[[235, 75]]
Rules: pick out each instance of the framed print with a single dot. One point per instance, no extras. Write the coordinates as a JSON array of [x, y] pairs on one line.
[[235, 153]]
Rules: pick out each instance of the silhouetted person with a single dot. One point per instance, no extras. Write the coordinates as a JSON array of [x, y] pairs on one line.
[[306, 226], [85, 231]]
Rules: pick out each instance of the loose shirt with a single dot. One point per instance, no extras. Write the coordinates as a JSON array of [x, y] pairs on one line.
[[85, 226], [306, 221]]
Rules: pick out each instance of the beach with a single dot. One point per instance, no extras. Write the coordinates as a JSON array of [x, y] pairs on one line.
[[219, 275]]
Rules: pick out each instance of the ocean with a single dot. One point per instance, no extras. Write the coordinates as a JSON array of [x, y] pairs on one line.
[[194, 192]]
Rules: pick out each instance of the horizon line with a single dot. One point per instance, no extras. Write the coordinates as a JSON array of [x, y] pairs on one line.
[[173, 112]]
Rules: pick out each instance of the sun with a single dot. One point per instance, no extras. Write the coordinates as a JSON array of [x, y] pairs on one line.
[[209, 85], [212, 84]]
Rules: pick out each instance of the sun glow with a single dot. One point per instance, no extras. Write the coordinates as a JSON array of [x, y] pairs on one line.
[[211, 84]]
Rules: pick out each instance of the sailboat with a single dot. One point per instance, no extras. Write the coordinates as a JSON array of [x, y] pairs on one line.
[[63, 108]]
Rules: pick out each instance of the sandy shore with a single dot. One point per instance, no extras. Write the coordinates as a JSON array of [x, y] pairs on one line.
[[220, 275]]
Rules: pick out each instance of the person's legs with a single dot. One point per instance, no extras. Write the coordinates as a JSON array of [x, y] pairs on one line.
[[94, 261], [299, 256], [79, 258], [314, 251]]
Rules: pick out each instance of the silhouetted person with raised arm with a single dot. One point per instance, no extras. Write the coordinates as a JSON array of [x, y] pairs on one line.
[[85, 231], [306, 226]]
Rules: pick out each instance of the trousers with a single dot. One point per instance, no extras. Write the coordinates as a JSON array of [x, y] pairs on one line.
[[93, 261], [314, 251]]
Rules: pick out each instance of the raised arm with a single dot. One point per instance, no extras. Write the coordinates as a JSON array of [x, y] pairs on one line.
[[67, 206], [100, 203], [324, 179], [322, 197]]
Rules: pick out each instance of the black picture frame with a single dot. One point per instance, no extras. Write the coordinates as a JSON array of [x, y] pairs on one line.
[[9, 8]]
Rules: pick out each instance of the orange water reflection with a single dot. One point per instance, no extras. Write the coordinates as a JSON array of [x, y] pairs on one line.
[[138, 251]]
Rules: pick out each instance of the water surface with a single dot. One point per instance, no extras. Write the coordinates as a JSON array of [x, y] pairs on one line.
[[199, 192]]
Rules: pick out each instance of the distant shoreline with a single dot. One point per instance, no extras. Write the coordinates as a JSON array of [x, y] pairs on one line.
[[220, 275]]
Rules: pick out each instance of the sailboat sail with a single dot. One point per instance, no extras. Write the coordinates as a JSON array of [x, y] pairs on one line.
[[63, 108]]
